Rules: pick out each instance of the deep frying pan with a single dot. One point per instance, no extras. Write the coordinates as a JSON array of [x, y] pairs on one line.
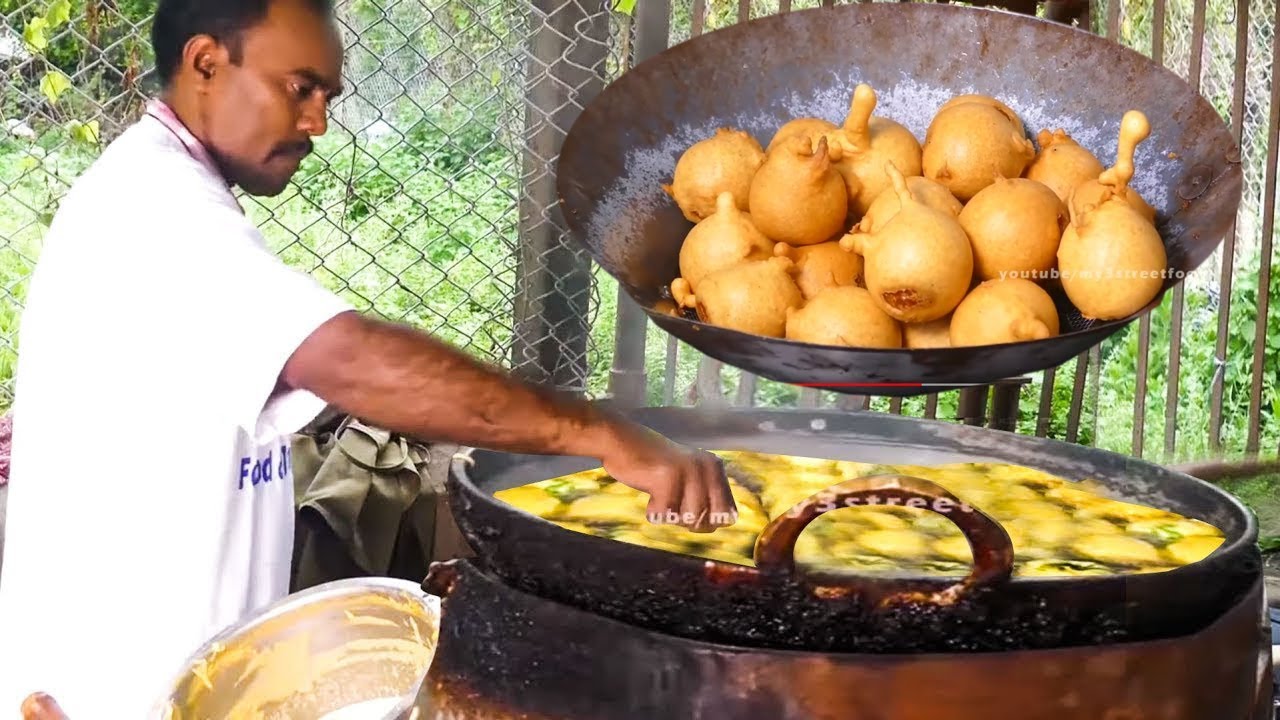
[[757, 75], [773, 606]]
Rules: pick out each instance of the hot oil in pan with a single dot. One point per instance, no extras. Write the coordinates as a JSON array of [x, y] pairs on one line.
[[1058, 527]]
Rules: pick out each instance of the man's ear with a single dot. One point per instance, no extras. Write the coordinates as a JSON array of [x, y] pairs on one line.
[[203, 56]]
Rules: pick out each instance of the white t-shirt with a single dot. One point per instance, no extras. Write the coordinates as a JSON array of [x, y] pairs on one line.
[[151, 492]]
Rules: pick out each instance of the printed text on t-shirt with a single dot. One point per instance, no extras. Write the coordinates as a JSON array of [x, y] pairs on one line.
[[265, 469]]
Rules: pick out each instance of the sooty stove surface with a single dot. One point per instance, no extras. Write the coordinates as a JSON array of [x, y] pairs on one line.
[[1274, 612]]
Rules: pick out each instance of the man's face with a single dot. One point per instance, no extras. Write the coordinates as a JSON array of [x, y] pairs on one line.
[[259, 115]]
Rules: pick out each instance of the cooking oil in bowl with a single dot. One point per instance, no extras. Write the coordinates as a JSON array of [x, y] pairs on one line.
[[349, 649]]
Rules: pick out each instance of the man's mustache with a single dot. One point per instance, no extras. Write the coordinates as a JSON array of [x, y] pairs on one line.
[[301, 148]]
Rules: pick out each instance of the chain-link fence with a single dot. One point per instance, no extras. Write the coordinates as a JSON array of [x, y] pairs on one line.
[[432, 200]]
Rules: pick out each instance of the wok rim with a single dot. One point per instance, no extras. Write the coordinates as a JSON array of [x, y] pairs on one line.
[[1233, 174], [1225, 552]]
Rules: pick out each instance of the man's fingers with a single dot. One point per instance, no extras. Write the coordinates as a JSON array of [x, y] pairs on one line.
[[713, 493], [724, 511], [695, 505], [665, 500]]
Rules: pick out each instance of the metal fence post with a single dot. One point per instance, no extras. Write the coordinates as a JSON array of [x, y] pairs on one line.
[[568, 49]]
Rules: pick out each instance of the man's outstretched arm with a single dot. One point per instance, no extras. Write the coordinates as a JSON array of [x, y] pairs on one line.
[[409, 382]]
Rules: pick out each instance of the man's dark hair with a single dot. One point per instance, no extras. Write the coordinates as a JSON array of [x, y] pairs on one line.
[[177, 21]]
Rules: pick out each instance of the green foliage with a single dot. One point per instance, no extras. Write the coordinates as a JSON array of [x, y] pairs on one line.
[[1198, 373], [88, 53]]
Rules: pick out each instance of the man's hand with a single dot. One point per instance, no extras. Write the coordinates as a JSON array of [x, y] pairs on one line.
[[686, 486]]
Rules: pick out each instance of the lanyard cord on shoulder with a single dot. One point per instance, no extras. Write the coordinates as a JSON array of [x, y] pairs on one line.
[[162, 113]]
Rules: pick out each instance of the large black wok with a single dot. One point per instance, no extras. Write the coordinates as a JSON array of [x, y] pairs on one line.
[[775, 605], [757, 75]]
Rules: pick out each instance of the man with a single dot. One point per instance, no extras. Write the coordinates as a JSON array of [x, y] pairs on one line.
[[166, 355]]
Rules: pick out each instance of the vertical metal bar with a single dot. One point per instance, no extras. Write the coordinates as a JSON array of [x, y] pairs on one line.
[[1144, 323], [1067, 12], [698, 17], [1057, 11], [1268, 235], [671, 371], [569, 49], [708, 388], [1180, 290], [1095, 381], [711, 374], [1006, 399], [1174, 371], [1113, 19], [895, 406], [784, 6], [1140, 385], [1077, 398], [1045, 415], [1229, 244], [746, 390], [931, 406], [852, 403], [809, 398], [972, 407], [1157, 32], [628, 381]]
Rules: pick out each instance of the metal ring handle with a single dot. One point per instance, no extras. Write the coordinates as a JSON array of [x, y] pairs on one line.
[[990, 544]]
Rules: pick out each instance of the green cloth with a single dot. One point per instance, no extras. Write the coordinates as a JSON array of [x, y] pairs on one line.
[[370, 503]]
